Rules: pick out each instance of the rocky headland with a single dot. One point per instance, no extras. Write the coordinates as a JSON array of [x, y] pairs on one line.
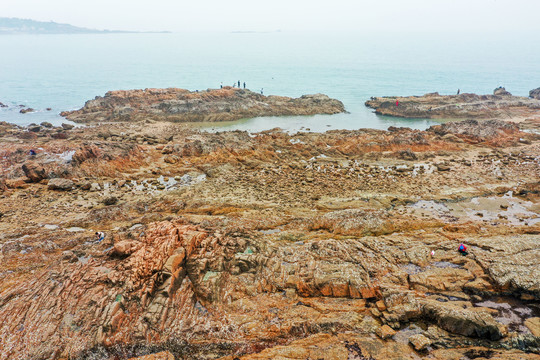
[[179, 105], [340, 245], [501, 106]]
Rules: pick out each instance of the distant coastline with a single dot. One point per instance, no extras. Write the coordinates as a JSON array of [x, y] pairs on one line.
[[16, 26]]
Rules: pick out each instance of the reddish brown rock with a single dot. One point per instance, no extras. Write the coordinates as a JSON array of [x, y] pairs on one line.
[[34, 171], [385, 332]]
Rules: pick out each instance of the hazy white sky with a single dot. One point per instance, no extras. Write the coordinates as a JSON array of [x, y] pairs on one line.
[[398, 16]]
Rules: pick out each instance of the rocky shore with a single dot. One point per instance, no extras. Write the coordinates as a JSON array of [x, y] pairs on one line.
[[501, 105], [179, 105], [340, 245]]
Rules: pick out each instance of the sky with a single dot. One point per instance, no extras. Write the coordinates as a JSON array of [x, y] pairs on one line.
[[386, 16]]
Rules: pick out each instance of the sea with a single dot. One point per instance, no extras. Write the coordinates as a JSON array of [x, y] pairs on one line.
[[61, 72]]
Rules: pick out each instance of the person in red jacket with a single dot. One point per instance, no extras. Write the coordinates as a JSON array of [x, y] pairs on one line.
[[462, 249], [397, 102]]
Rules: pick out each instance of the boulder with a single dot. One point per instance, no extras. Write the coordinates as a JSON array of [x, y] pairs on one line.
[[171, 159], [385, 332], [419, 342], [27, 110], [46, 124], [67, 126], [60, 184], [34, 171], [501, 91], [442, 167], [110, 200], [461, 321], [535, 94]]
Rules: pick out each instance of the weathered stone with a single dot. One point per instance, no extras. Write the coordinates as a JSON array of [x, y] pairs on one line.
[[443, 167], [110, 200], [463, 321], [419, 342], [501, 91], [385, 332], [60, 184], [34, 171], [46, 124], [533, 324], [171, 159]]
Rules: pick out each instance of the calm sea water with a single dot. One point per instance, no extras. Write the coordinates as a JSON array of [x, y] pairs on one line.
[[63, 71]]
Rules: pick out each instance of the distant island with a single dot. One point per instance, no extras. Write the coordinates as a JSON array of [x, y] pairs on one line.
[[27, 26]]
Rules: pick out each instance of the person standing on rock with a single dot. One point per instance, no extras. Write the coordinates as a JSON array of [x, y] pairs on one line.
[[458, 91], [239, 84], [221, 85], [397, 103], [262, 91], [244, 84]]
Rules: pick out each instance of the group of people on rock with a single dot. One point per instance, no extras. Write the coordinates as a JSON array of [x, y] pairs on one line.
[[238, 83]]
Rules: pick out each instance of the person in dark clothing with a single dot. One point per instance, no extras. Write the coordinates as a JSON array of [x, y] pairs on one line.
[[462, 249], [244, 84], [32, 152], [458, 91], [239, 84]]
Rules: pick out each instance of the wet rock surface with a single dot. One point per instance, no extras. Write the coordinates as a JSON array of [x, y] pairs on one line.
[[340, 245], [179, 105]]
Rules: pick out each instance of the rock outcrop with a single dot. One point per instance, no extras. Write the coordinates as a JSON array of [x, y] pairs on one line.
[[340, 245], [501, 91], [178, 105], [535, 94], [501, 105]]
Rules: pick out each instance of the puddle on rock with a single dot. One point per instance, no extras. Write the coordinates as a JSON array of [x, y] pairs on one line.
[[270, 231], [446, 264], [504, 209], [512, 312], [411, 269]]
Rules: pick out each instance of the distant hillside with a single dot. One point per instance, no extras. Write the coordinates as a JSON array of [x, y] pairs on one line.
[[25, 26]]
